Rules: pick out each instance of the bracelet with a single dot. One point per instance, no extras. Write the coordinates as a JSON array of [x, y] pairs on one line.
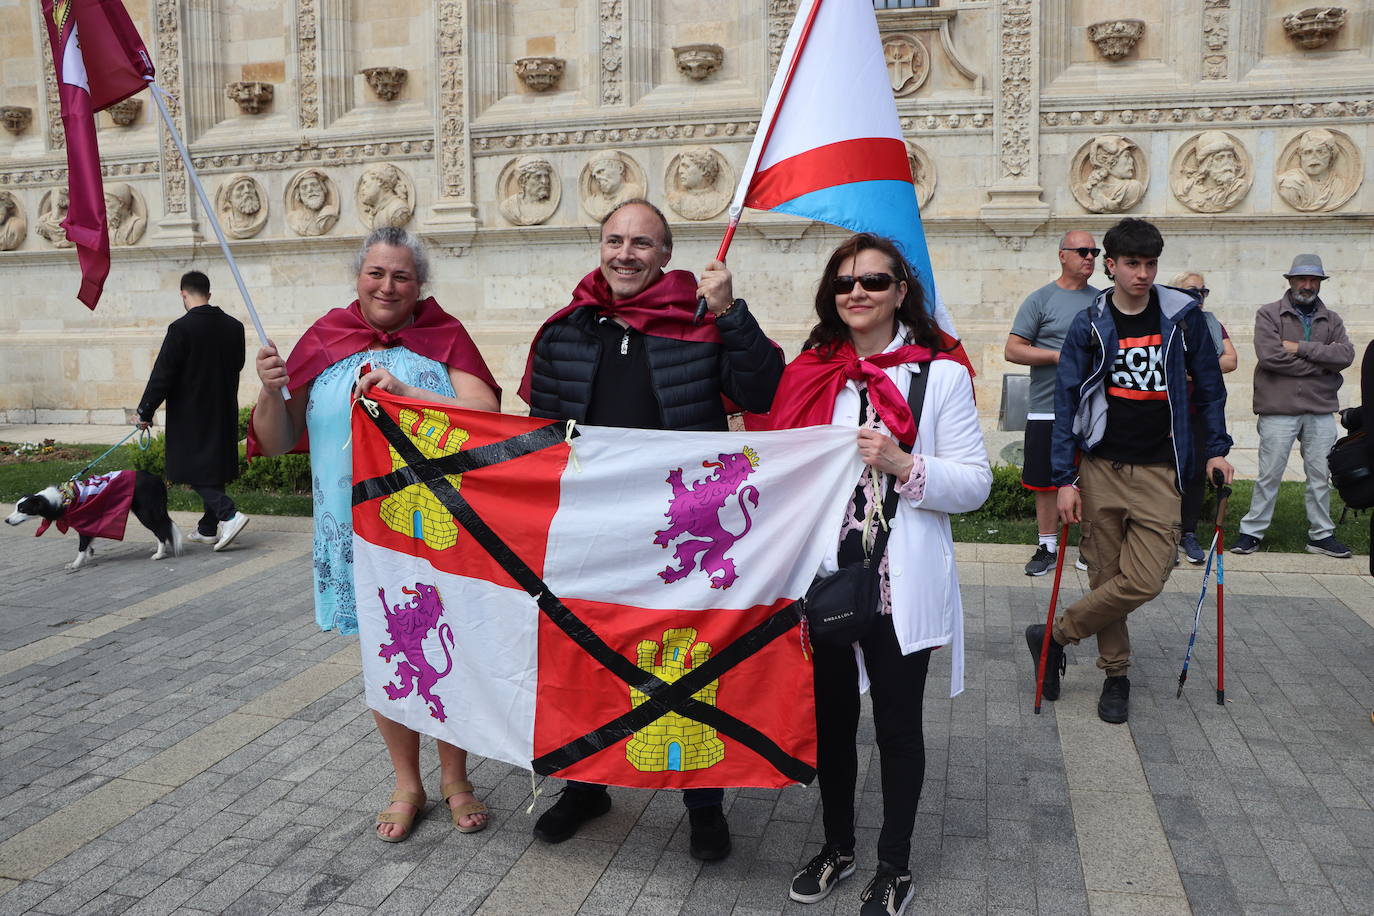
[[725, 311]]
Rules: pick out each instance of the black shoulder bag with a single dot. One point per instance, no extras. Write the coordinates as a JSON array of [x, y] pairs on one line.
[[840, 607]]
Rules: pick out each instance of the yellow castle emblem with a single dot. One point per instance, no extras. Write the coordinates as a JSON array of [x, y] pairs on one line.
[[415, 511], [673, 742]]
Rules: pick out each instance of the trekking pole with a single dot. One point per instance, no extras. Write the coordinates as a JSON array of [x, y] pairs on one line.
[[1049, 619], [1212, 554], [1223, 494]]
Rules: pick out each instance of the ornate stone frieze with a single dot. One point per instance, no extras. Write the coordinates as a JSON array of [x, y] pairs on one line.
[[612, 19], [1116, 37], [312, 203], [593, 137], [529, 190], [386, 196], [241, 205], [52, 210], [608, 178], [908, 64], [1108, 174], [1212, 172], [308, 61], [169, 76], [1216, 39], [14, 225], [251, 96], [125, 113], [698, 61], [57, 134], [1318, 170], [1314, 26], [16, 118], [333, 154], [540, 73], [1330, 110], [454, 162], [1018, 63], [780, 16], [699, 182], [386, 82], [126, 213], [922, 173]]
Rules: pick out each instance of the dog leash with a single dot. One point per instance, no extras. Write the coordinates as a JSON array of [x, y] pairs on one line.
[[145, 441]]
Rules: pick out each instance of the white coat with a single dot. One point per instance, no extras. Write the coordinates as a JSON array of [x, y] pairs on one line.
[[926, 608]]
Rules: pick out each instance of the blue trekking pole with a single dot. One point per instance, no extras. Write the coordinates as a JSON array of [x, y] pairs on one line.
[[1223, 494]]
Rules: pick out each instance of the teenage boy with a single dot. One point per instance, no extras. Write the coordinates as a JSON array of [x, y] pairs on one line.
[[1122, 448]]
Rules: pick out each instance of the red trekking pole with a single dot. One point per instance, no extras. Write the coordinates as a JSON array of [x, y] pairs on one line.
[[1223, 491], [1049, 619]]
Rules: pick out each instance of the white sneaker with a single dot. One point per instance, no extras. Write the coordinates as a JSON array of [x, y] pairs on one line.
[[1080, 563], [228, 530], [195, 537]]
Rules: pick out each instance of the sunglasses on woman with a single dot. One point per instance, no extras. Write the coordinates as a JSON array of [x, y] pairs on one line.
[[873, 283], [1199, 291]]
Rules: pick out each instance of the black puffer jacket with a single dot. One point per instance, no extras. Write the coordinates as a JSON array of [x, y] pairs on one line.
[[688, 377]]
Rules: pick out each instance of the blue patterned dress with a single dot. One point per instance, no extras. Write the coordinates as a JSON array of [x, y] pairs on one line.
[[331, 471]]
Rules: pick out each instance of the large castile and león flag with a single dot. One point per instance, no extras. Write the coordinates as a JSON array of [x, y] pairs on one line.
[[611, 605]]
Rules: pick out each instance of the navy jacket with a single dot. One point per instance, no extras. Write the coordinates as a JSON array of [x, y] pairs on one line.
[[1080, 396]]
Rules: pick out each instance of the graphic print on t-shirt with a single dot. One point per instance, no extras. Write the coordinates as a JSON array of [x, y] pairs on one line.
[[1138, 372]]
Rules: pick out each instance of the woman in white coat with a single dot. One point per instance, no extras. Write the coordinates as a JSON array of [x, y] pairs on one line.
[[874, 335]]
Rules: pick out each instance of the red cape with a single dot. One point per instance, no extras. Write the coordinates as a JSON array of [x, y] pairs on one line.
[[99, 508], [806, 395], [666, 308], [434, 334]]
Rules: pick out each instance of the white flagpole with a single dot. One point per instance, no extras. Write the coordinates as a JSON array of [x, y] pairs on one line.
[[158, 93]]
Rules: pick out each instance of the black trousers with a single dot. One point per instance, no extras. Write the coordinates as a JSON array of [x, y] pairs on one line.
[[218, 508], [897, 688]]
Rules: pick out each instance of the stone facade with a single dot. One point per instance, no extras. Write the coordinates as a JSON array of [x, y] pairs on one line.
[[1243, 145]]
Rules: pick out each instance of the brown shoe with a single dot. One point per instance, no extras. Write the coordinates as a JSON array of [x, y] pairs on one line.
[[467, 809], [406, 820]]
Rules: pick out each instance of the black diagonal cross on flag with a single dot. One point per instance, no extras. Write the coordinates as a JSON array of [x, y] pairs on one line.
[[661, 697]]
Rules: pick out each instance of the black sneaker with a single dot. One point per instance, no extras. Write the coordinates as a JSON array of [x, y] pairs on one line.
[[1042, 562], [1329, 546], [1191, 548], [710, 833], [814, 882], [1114, 705], [575, 806], [887, 894], [1055, 665], [1246, 543]]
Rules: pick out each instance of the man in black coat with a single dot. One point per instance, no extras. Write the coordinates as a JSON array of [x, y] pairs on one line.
[[197, 374], [628, 353]]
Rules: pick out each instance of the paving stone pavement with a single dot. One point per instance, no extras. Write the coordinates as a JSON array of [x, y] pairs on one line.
[[178, 737]]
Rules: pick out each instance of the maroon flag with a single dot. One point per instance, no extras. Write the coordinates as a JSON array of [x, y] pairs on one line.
[[100, 60]]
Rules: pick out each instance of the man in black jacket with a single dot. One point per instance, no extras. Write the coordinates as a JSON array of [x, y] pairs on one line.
[[626, 352], [197, 374]]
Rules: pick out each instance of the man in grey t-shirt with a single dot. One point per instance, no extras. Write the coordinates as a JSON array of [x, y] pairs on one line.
[[1036, 336]]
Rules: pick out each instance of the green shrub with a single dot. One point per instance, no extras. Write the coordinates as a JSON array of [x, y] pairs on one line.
[[244, 414], [283, 473], [153, 460], [1008, 498]]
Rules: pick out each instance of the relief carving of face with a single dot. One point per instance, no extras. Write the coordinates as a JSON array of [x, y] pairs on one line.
[[370, 189], [536, 184], [311, 192], [114, 211], [1123, 166], [609, 175], [1222, 167], [244, 198], [1315, 155]]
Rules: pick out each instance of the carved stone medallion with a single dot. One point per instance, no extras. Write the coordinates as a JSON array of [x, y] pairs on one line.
[[908, 64], [529, 190], [126, 214], [1318, 170], [312, 203], [922, 173], [1115, 38], [241, 205], [52, 210], [608, 178], [386, 196], [14, 225], [1108, 174], [1315, 26], [1211, 172], [699, 183]]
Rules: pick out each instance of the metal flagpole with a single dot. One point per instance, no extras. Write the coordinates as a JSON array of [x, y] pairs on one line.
[[158, 94]]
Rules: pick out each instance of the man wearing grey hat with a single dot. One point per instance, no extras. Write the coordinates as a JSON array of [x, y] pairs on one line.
[[1301, 347]]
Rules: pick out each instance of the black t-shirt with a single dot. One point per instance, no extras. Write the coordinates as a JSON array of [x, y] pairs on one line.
[[622, 390], [1139, 430]]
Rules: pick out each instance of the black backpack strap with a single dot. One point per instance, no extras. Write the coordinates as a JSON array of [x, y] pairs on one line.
[[915, 398]]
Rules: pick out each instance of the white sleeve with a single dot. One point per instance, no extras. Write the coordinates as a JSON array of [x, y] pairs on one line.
[[958, 478]]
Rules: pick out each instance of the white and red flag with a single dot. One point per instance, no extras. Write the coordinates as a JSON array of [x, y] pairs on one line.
[[616, 606], [100, 60]]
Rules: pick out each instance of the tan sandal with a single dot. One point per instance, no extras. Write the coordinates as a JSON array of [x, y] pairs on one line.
[[450, 789], [407, 821]]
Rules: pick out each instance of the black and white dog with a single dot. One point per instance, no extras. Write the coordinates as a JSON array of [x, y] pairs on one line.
[[148, 502]]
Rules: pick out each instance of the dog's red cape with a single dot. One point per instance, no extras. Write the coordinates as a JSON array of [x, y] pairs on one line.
[[99, 506]]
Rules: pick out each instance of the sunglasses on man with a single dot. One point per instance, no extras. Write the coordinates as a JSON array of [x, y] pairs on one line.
[[873, 283], [1084, 252]]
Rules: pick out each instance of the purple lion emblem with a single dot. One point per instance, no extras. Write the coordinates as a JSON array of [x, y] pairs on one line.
[[408, 626], [695, 510]]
